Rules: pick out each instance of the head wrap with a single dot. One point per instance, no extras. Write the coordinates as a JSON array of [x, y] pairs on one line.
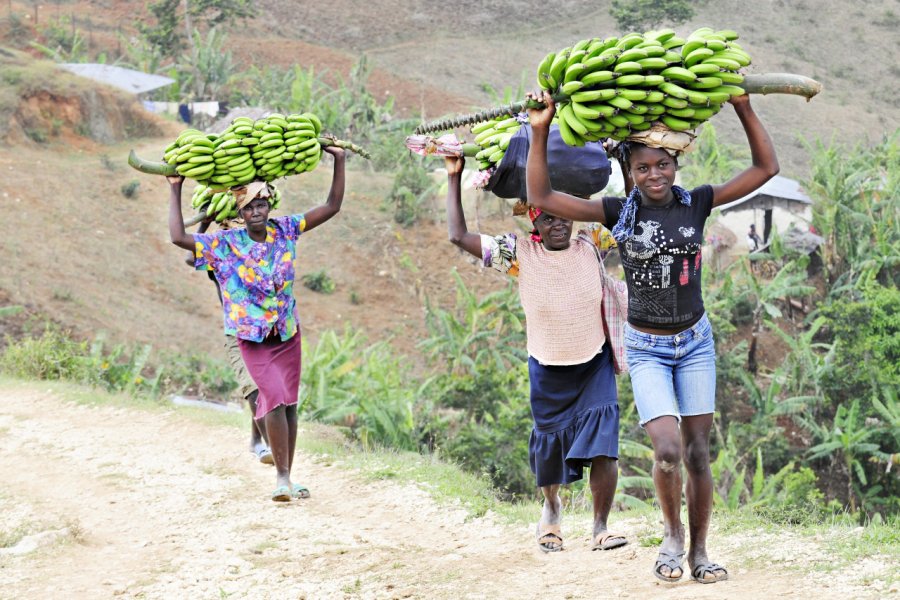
[[243, 195], [533, 214], [659, 136]]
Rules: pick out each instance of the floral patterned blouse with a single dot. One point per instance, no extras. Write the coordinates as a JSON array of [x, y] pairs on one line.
[[257, 279]]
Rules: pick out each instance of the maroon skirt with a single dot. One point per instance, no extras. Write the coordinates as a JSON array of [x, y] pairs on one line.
[[275, 368]]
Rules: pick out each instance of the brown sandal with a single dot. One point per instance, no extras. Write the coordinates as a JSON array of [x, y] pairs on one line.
[[607, 540], [549, 534]]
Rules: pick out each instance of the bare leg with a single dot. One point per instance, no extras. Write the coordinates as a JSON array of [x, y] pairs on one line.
[[551, 514], [604, 476], [666, 440], [695, 437], [257, 428], [276, 424], [291, 415]]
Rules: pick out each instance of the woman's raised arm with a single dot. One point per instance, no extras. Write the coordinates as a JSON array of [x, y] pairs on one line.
[[178, 235], [762, 153], [537, 176], [456, 220], [318, 215]]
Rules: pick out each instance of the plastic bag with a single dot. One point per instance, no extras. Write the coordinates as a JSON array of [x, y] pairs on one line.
[[580, 171]]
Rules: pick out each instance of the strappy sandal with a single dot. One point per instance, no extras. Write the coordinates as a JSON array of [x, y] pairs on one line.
[[672, 560], [263, 455], [606, 540], [700, 572], [282, 494], [300, 492], [549, 534]]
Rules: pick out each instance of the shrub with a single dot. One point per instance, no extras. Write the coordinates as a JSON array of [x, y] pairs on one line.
[[866, 330], [319, 282], [483, 423], [412, 188], [53, 355], [130, 189], [196, 374]]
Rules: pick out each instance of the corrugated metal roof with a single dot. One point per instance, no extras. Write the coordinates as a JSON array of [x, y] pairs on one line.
[[777, 188], [129, 80]]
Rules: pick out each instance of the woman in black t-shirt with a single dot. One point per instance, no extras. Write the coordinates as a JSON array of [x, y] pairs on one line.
[[671, 357]]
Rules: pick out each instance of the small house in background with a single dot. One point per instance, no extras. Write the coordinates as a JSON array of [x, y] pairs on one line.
[[135, 82], [776, 206]]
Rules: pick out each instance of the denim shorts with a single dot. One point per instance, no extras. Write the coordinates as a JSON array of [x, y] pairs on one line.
[[672, 375]]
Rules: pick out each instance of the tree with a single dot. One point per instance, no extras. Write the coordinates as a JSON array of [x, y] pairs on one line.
[[638, 15], [175, 21]]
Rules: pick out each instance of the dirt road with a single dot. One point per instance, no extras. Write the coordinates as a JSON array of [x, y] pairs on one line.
[[141, 504]]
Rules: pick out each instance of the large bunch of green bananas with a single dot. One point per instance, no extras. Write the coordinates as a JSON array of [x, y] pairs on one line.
[[221, 205], [493, 138], [262, 150], [609, 88]]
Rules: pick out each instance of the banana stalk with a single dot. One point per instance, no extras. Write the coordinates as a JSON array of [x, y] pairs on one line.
[[768, 83], [162, 168], [330, 140], [200, 216], [148, 167], [781, 83]]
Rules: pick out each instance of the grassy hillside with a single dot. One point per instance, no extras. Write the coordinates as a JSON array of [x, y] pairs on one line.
[[434, 61], [850, 48]]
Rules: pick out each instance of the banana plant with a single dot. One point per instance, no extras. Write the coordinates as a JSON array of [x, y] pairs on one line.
[[808, 362], [845, 441], [788, 281], [481, 330], [857, 199]]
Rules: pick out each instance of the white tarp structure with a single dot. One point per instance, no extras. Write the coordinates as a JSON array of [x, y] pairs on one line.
[[135, 82]]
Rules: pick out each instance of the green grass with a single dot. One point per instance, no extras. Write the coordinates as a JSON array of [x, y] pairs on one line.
[[840, 542]]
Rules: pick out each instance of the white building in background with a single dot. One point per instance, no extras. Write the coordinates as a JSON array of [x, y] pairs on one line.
[[777, 206]]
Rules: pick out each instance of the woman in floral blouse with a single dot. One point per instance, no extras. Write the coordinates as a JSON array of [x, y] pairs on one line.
[[254, 267]]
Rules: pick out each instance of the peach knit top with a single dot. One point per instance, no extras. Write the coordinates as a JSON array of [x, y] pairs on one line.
[[560, 292]]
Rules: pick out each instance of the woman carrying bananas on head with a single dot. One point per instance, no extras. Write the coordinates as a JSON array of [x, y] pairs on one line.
[[254, 267], [571, 362], [668, 338]]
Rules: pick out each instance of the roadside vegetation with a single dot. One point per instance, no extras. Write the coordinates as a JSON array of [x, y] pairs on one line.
[[809, 438]]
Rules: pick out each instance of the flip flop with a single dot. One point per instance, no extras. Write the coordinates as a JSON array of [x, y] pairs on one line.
[[700, 572], [264, 455], [300, 492], [549, 534], [668, 559], [607, 540], [281, 494]]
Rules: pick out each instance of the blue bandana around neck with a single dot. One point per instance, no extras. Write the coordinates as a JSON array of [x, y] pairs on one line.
[[624, 228]]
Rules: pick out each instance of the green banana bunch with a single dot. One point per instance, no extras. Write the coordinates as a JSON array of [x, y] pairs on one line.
[[609, 88], [221, 205], [262, 150], [492, 137]]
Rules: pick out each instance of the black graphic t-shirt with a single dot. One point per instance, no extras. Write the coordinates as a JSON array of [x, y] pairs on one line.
[[662, 260]]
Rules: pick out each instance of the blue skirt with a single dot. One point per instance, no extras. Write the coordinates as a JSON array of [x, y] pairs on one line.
[[576, 417]]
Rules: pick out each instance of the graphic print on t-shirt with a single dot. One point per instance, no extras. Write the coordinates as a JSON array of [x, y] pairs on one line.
[[661, 258], [658, 263], [642, 245]]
